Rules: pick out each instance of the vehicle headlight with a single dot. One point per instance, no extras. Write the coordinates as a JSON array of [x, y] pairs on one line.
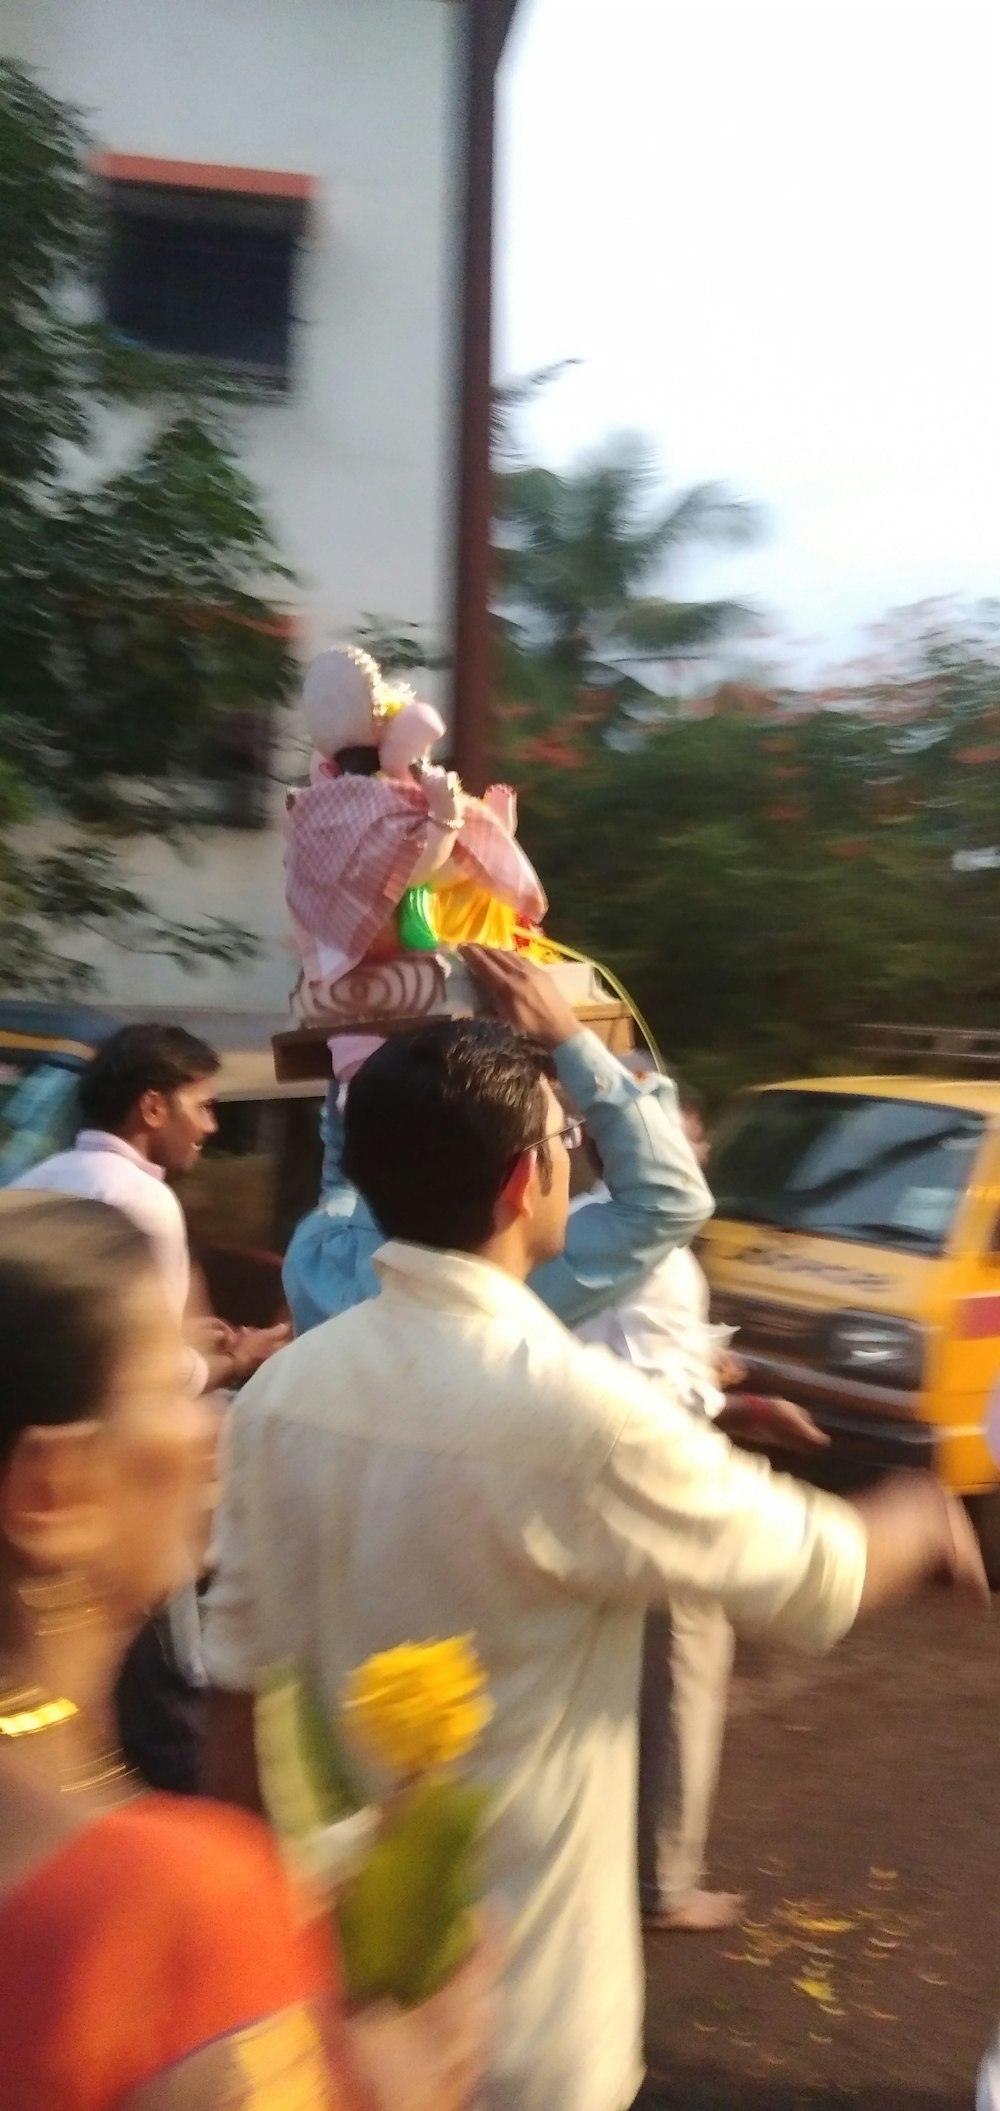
[[883, 1351]]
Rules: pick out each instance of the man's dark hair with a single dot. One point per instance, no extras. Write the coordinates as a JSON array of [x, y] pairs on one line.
[[435, 1121], [138, 1059]]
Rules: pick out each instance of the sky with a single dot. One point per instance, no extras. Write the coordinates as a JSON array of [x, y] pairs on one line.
[[769, 231]]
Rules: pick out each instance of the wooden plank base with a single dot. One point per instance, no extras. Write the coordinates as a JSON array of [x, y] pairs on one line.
[[301, 1052]]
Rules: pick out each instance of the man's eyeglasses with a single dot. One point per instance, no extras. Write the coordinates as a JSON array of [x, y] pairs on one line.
[[571, 1136]]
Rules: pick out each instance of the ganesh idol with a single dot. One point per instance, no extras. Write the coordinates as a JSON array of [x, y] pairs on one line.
[[387, 858]]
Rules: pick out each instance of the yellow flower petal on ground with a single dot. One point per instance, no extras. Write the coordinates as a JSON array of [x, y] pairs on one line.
[[817, 1989], [809, 1924], [770, 1943]]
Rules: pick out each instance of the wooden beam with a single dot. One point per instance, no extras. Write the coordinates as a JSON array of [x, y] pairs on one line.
[[485, 27]]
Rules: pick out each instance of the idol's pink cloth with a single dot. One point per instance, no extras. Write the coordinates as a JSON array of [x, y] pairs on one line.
[[349, 1051], [352, 845]]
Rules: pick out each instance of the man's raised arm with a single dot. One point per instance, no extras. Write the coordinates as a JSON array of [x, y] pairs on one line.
[[659, 1198]]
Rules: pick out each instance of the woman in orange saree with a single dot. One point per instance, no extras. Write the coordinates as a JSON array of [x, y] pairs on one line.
[[155, 1955]]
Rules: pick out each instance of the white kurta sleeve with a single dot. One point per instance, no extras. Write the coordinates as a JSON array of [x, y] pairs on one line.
[[676, 1507]]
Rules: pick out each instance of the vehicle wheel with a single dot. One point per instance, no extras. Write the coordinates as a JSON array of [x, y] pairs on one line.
[[984, 1511]]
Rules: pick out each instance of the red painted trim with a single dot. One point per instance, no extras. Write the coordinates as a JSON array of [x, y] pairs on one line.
[[280, 623], [203, 176], [980, 1316]]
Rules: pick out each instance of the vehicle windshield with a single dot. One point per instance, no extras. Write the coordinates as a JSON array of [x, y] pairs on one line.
[[884, 1172], [37, 1115]]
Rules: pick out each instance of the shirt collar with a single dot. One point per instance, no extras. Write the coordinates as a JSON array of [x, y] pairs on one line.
[[463, 1279], [104, 1140]]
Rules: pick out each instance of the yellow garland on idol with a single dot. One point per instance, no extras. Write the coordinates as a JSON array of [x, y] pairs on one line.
[[388, 698], [418, 1707]]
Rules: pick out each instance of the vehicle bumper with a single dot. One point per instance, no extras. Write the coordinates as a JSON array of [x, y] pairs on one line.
[[885, 1444], [872, 1431]]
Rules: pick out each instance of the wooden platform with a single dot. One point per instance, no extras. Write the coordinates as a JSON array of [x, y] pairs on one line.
[[301, 1052]]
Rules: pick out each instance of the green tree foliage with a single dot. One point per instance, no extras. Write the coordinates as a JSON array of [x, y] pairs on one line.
[[770, 872], [399, 646], [580, 557], [137, 637]]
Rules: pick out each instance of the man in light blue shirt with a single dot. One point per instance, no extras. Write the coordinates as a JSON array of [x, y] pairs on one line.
[[658, 1195]]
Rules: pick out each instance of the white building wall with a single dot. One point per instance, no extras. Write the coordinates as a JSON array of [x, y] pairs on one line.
[[354, 465]]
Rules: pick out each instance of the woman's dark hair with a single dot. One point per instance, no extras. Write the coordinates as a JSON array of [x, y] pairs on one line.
[[138, 1059], [435, 1121], [66, 1267]]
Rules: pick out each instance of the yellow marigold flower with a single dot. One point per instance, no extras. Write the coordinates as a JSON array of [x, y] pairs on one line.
[[420, 1706]]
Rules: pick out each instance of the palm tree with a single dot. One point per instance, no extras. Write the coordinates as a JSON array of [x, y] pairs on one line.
[[579, 555]]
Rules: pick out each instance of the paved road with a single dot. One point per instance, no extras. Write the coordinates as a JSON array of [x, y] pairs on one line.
[[860, 1809]]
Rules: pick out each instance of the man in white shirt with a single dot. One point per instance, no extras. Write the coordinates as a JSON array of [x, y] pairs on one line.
[[146, 1101], [447, 1458], [663, 1328]]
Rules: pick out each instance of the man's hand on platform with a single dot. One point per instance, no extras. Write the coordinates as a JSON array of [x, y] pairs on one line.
[[524, 994]]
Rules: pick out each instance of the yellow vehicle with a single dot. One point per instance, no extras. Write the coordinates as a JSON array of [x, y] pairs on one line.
[[856, 1247]]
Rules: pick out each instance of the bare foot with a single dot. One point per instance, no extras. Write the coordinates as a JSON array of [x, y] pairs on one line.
[[700, 1913]]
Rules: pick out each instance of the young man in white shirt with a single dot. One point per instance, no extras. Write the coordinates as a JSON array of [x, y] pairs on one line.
[[663, 1328], [446, 1458], [146, 1102]]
